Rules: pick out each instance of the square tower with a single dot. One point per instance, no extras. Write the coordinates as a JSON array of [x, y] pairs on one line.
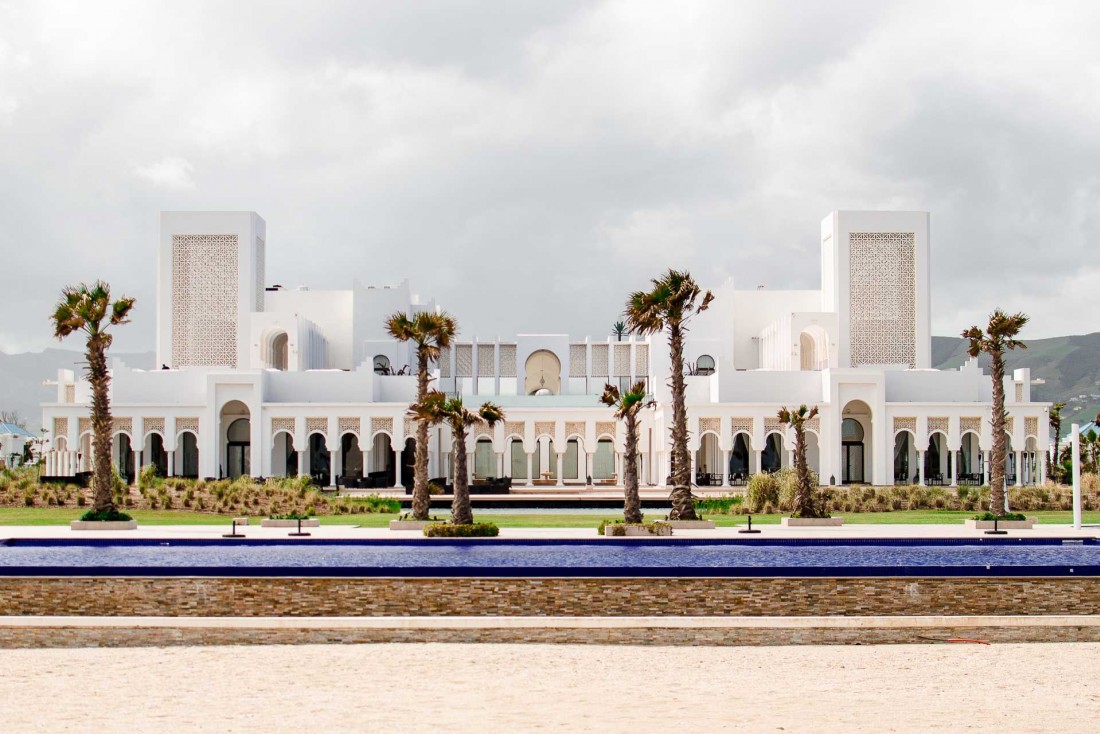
[[875, 277], [210, 277]]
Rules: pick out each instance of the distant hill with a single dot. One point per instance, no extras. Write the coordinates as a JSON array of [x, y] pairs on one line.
[[1068, 365], [21, 377]]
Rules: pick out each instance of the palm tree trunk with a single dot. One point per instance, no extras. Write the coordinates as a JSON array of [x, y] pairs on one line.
[[461, 512], [632, 502], [102, 487], [421, 501], [806, 505], [683, 508], [1053, 473], [997, 468]]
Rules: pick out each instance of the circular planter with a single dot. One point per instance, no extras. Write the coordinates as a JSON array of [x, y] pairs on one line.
[[269, 523], [812, 522], [1027, 524], [103, 525]]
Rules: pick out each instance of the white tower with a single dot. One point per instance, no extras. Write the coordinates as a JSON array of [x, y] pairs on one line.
[[210, 277]]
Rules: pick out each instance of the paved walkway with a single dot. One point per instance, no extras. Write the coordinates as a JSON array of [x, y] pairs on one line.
[[954, 530]]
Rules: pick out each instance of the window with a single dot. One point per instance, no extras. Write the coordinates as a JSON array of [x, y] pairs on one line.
[[704, 365], [381, 365], [851, 431]]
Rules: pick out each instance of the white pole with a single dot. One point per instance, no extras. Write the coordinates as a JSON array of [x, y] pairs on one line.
[[1075, 443]]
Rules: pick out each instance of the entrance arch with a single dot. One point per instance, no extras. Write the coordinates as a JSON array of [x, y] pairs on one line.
[[856, 451], [236, 434], [542, 372]]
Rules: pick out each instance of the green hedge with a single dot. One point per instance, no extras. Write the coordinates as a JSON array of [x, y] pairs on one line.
[[450, 530], [110, 516]]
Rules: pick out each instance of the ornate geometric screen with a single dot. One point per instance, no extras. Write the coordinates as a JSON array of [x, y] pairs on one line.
[[507, 360], [882, 298], [204, 300], [486, 360], [578, 358]]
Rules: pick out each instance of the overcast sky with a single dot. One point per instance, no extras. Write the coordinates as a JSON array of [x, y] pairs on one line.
[[528, 164]]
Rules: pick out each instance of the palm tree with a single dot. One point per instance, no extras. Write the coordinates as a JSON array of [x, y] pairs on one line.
[[431, 332], [669, 306], [91, 310], [1055, 419], [437, 408], [619, 330], [627, 406], [998, 338], [806, 504]]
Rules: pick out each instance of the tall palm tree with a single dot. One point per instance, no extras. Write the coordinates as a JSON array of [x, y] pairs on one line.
[[669, 306], [627, 405], [89, 309], [997, 338], [437, 408], [806, 504], [1055, 419], [431, 332], [619, 330]]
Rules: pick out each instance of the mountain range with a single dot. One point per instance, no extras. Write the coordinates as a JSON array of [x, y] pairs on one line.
[[1064, 369]]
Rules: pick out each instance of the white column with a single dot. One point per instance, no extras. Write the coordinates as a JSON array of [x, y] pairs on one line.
[[333, 461], [588, 459], [1041, 469], [531, 469], [171, 463], [920, 468], [469, 466], [757, 462], [137, 465], [558, 478], [1075, 448], [952, 469], [725, 468], [303, 463], [985, 468], [694, 455], [1019, 468], [396, 467]]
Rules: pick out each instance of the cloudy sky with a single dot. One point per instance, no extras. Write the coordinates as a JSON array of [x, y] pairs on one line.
[[530, 163]]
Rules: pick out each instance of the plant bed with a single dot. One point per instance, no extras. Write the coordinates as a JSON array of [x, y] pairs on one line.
[[620, 529], [103, 525], [412, 524], [1011, 521], [450, 530], [812, 522], [691, 524], [283, 522]]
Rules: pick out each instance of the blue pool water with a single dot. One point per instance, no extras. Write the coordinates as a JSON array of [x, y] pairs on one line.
[[977, 557]]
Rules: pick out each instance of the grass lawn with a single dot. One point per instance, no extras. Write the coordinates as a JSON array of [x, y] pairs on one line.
[[62, 516]]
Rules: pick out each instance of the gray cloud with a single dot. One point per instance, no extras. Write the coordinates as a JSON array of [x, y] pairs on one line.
[[525, 162]]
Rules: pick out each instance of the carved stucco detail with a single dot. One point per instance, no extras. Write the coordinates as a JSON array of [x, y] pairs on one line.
[[1031, 426], [578, 356], [60, 427], [486, 360], [153, 424], [771, 425], [641, 360], [710, 424], [738, 425], [906, 423], [83, 425], [464, 360], [187, 424], [939, 423], [349, 424], [483, 429], [599, 360], [1019, 392], [126, 425], [544, 428], [204, 300], [574, 428], [381, 425], [282, 424], [70, 393], [514, 428], [970, 423], [445, 362], [507, 360], [605, 428], [317, 425], [622, 360], [882, 293]]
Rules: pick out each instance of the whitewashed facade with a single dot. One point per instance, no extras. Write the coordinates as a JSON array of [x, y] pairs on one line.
[[265, 380]]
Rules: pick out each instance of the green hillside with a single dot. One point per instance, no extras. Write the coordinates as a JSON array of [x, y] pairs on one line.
[[1068, 365]]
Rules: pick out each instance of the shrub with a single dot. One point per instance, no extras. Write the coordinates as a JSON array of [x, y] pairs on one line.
[[762, 491], [434, 488], [989, 516], [730, 504], [617, 528], [107, 516], [289, 516], [450, 530], [374, 503]]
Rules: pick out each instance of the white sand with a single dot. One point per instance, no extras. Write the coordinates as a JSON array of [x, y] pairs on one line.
[[514, 688]]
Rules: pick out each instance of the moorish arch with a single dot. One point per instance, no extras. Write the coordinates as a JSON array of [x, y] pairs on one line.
[[856, 451], [542, 374]]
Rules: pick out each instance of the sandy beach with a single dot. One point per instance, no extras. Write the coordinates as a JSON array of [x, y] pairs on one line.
[[558, 688]]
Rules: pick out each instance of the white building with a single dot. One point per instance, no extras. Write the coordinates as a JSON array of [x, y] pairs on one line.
[[265, 380]]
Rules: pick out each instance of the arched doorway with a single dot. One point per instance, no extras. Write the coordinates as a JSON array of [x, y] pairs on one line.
[[542, 372], [771, 460], [935, 459], [518, 459], [382, 469], [970, 460], [124, 457], [284, 458], [813, 453], [855, 448], [484, 459], [813, 349], [408, 463], [187, 460], [236, 433], [603, 462], [155, 454], [708, 462], [280, 351], [904, 468], [739, 460], [351, 459]]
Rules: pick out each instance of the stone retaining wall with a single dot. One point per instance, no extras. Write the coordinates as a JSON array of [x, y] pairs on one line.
[[147, 637], [253, 597]]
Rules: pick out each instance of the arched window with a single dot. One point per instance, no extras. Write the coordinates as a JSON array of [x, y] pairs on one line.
[[381, 365], [704, 365], [280, 351], [851, 431]]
